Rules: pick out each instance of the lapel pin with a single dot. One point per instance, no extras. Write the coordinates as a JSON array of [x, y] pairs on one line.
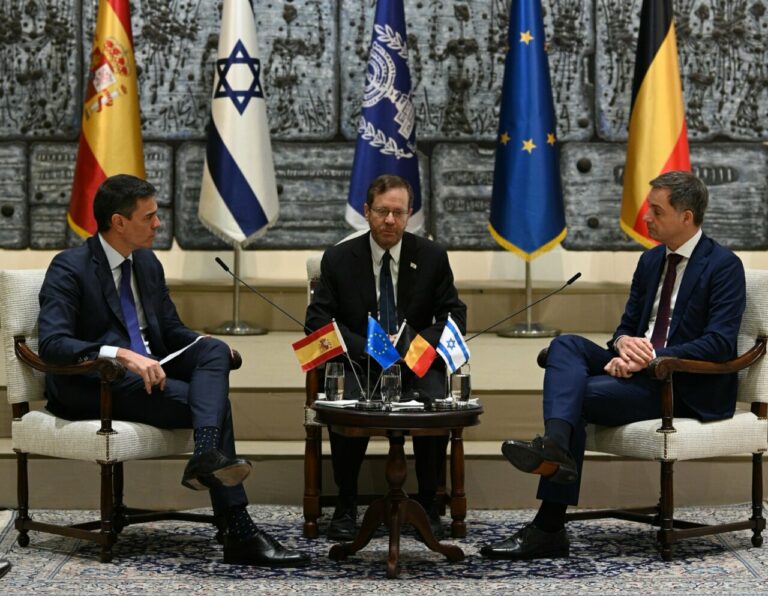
[[413, 265]]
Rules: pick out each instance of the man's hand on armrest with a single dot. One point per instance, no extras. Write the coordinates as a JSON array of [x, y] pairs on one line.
[[147, 368]]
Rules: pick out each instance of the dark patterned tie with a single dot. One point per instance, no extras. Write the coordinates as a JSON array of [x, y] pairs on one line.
[[129, 309], [387, 310], [659, 336]]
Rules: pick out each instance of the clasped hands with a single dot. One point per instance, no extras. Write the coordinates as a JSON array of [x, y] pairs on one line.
[[635, 353]]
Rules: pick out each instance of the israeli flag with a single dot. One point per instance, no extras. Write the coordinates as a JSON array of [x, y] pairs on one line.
[[452, 347], [238, 195], [386, 133]]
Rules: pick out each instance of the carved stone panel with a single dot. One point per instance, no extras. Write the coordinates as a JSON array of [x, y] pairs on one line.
[[722, 56], [456, 54], [737, 215], [176, 47], [52, 168], [312, 183], [14, 227], [462, 181], [39, 68]]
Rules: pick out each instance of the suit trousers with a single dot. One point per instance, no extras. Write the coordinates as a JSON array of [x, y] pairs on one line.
[[578, 391], [196, 395]]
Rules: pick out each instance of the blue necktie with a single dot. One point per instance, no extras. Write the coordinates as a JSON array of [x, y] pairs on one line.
[[387, 310], [128, 305]]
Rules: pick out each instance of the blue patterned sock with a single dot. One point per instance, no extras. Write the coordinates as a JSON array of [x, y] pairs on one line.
[[239, 523], [206, 438]]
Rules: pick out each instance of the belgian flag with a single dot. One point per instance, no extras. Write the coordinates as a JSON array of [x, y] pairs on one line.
[[658, 138]]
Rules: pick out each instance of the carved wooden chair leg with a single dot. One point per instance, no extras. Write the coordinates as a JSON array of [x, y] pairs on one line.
[[667, 510], [22, 488], [107, 500], [119, 519], [312, 473], [757, 499]]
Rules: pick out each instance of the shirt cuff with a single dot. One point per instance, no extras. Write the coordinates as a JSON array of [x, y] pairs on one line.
[[108, 352]]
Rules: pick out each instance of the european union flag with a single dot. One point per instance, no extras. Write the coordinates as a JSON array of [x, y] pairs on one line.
[[379, 346], [527, 215], [386, 132]]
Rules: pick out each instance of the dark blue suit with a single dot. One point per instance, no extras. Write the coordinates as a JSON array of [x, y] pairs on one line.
[[80, 312], [704, 326]]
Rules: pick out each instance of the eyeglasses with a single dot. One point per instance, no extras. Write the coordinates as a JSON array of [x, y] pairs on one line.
[[383, 212]]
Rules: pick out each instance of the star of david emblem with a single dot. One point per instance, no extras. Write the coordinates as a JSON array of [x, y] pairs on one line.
[[451, 343], [240, 98]]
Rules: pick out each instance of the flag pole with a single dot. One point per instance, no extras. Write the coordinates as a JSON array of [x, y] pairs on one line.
[[236, 326], [529, 328]]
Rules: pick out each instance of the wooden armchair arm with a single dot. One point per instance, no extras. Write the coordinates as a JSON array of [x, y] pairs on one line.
[[661, 368], [108, 369]]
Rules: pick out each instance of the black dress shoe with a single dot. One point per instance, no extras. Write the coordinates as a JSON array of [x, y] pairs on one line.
[[343, 523], [261, 549], [213, 469], [542, 456], [5, 567], [530, 543]]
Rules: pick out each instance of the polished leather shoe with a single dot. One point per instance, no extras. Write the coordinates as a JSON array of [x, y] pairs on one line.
[[343, 524], [542, 456], [261, 549], [213, 469], [5, 567], [530, 543]]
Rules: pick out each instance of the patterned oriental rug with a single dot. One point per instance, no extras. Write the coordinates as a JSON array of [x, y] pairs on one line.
[[608, 557]]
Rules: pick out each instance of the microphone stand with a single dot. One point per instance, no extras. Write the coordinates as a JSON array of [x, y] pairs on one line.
[[529, 328], [236, 326]]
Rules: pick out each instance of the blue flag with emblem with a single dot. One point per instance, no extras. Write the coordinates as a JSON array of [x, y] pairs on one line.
[[527, 215], [379, 346], [386, 133], [238, 193]]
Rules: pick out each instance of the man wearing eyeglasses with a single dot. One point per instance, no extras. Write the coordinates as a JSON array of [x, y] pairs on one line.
[[355, 280]]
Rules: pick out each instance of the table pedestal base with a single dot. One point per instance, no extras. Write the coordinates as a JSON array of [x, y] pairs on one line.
[[394, 510]]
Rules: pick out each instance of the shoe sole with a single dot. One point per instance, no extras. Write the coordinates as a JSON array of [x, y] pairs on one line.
[[246, 561], [229, 476], [559, 553], [525, 461]]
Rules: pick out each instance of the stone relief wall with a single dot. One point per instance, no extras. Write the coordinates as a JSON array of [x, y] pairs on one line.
[[313, 54]]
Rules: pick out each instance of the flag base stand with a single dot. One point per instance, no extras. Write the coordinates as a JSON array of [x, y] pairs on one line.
[[236, 326], [528, 329]]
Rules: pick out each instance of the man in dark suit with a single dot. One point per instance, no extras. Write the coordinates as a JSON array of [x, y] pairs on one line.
[[108, 298], [353, 274], [686, 300]]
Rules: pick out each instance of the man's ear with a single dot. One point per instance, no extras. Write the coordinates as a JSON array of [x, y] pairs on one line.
[[117, 221], [366, 211]]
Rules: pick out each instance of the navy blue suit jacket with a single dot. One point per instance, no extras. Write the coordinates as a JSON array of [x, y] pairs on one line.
[[80, 312], [705, 321]]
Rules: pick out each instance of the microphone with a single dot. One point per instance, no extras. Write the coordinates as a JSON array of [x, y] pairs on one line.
[[223, 265], [527, 306]]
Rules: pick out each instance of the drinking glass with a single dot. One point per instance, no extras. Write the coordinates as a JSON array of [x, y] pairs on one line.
[[334, 381], [390, 384], [461, 385]]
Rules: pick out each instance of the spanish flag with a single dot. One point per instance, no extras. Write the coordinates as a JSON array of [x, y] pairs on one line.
[[110, 136], [319, 347], [416, 351], [658, 138]]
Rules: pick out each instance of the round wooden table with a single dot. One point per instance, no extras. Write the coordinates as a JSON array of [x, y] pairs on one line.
[[396, 508]]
